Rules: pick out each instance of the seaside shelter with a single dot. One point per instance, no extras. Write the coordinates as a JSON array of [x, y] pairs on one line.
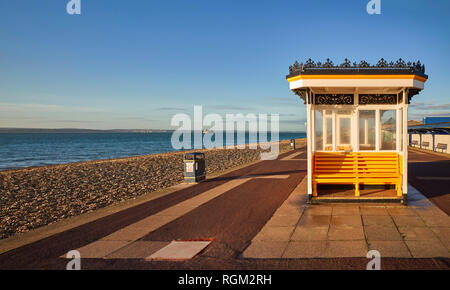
[[357, 127], [434, 136]]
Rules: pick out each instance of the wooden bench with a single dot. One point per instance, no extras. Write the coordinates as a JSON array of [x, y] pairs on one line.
[[357, 168], [426, 144], [414, 142], [442, 146]]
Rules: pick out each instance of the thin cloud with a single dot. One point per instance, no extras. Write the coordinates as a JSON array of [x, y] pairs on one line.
[[26, 108], [230, 107], [419, 116], [430, 106], [75, 121], [136, 119], [170, 109]]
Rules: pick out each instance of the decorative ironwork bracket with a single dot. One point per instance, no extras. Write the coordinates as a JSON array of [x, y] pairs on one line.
[[334, 99], [411, 93], [304, 94], [377, 99]]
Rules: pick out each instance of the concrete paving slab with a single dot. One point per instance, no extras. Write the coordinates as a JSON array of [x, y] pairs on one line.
[[343, 210], [401, 211], [100, 249], [380, 220], [417, 234], [274, 234], [437, 221], [309, 234], [345, 221], [265, 249], [305, 249], [318, 209], [419, 203], [382, 233], [373, 210], [179, 250], [283, 220], [346, 249], [137, 250], [289, 210], [346, 233], [297, 200], [427, 249], [430, 211], [315, 221], [443, 234], [395, 249], [408, 221]]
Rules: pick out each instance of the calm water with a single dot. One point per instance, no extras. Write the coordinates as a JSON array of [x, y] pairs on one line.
[[36, 149]]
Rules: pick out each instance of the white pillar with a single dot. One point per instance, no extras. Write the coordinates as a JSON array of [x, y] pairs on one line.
[[334, 130], [324, 129], [377, 130], [354, 129], [309, 142], [397, 130], [405, 145]]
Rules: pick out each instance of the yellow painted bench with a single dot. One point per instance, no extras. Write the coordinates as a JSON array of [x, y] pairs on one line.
[[357, 168]]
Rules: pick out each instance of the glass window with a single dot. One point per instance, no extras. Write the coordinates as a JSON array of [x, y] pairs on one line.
[[318, 134], [388, 131], [344, 130], [366, 130], [329, 134]]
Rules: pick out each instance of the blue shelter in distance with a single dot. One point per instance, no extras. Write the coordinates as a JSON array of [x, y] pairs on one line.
[[434, 120]]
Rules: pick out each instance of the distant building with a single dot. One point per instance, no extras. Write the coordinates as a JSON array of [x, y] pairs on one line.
[[434, 120]]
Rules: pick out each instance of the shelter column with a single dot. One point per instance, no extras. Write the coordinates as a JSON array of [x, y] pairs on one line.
[[309, 134], [405, 145]]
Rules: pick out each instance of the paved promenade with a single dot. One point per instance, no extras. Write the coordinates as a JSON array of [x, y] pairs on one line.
[[257, 218], [297, 230]]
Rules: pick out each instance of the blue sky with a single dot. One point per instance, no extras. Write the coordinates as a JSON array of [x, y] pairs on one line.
[[134, 64]]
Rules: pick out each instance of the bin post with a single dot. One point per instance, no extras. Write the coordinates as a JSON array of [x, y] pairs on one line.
[[293, 144], [194, 167]]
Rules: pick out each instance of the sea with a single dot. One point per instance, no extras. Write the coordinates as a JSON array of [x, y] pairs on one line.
[[19, 150]]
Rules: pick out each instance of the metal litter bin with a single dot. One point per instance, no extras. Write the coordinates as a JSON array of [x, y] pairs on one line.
[[194, 167], [292, 143]]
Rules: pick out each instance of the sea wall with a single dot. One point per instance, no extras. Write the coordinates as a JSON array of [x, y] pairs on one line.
[[34, 197]]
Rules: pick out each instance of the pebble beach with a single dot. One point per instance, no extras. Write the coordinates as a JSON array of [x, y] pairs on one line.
[[38, 196]]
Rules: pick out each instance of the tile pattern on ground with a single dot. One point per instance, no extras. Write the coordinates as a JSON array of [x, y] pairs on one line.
[[297, 230]]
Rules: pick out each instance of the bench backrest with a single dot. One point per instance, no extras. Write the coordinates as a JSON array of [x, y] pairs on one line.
[[333, 163], [357, 163], [382, 163]]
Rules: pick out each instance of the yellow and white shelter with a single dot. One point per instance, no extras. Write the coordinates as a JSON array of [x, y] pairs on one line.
[[357, 124]]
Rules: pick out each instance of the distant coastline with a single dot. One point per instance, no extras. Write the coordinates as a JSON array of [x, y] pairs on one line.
[[73, 130]]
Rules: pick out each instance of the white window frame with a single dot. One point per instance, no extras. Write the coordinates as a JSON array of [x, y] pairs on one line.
[[354, 125]]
